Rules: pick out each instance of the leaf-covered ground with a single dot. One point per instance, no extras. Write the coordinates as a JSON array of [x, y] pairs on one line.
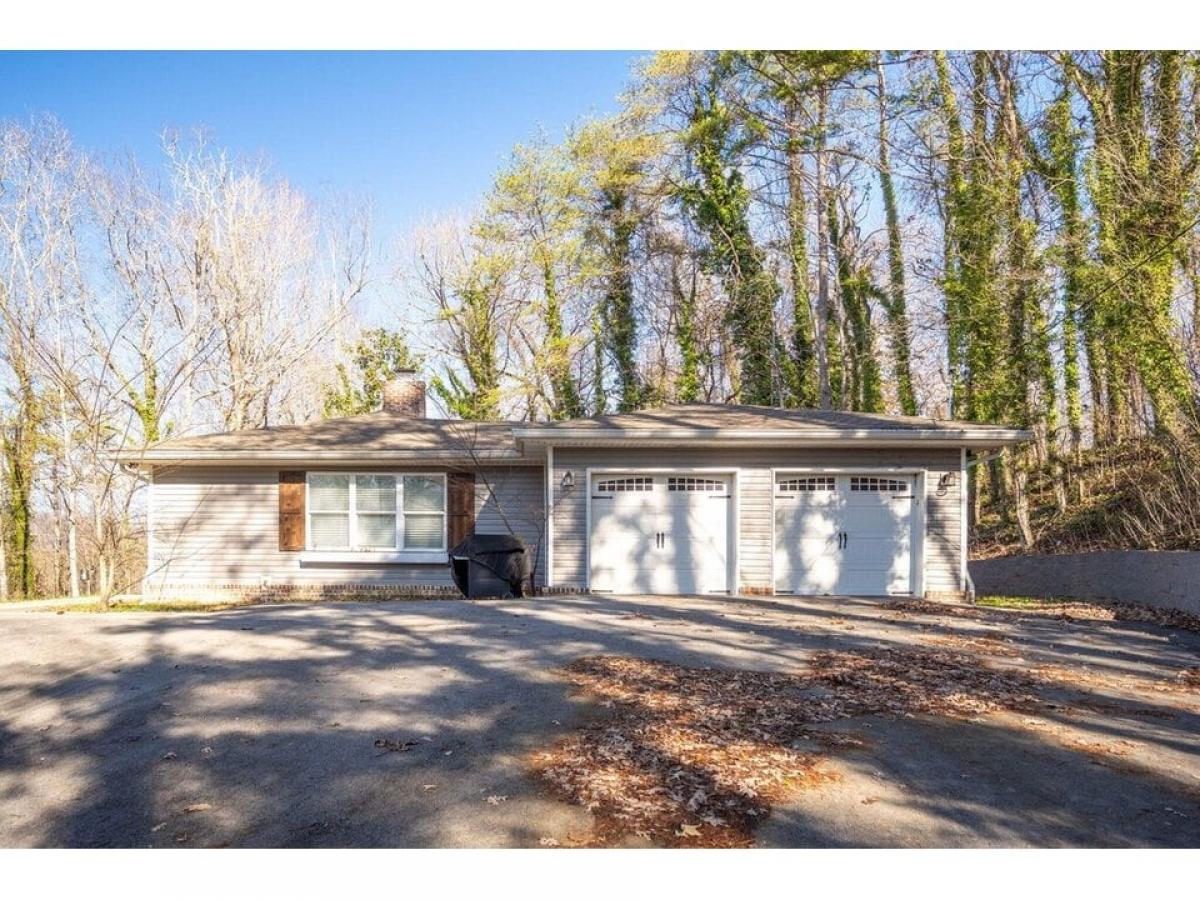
[[698, 756]]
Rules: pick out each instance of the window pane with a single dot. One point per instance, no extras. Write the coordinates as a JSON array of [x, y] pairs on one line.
[[330, 531], [423, 493], [329, 493], [376, 531], [375, 493], [423, 532]]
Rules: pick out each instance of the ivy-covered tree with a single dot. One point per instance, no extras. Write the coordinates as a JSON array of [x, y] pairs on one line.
[[613, 156], [715, 195], [895, 300]]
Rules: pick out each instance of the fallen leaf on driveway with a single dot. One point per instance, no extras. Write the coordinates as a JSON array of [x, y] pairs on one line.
[[496, 799], [548, 842], [159, 827], [428, 787], [395, 746], [687, 743], [687, 830], [197, 807]]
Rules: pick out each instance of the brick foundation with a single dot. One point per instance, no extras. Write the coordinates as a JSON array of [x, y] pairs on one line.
[[308, 593], [281, 593]]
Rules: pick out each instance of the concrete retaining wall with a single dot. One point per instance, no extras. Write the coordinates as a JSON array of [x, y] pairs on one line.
[[1135, 576]]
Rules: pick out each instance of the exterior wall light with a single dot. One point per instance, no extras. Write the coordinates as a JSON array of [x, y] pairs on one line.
[[568, 480]]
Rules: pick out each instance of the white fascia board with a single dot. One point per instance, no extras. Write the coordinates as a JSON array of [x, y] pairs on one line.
[[925, 437], [317, 457]]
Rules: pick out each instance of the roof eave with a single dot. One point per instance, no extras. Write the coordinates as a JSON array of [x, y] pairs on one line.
[[308, 458], [582, 437]]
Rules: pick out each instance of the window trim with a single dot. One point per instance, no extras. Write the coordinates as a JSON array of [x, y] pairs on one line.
[[351, 553]]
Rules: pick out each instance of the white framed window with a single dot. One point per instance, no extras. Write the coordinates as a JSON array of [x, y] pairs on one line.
[[376, 512]]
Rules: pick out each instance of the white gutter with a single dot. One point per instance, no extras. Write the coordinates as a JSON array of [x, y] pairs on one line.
[[977, 439], [435, 455], [548, 576], [593, 437]]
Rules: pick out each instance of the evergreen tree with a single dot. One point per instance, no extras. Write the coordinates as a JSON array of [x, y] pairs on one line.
[[377, 357]]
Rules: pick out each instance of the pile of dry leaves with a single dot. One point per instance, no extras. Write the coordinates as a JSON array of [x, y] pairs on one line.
[[1070, 611], [696, 756], [935, 682]]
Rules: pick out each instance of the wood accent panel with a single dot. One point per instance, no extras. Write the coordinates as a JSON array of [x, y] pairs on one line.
[[291, 511], [460, 506]]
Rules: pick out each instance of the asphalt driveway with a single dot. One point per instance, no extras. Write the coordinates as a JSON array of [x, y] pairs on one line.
[[410, 723]]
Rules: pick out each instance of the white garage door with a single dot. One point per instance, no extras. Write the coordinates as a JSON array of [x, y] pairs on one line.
[[844, 534], [660, 534]]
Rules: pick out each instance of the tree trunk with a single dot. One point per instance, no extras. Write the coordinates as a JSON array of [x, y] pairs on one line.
[[805, 389], [1020, 484], [824, 332], [897, 306], [952, 202]]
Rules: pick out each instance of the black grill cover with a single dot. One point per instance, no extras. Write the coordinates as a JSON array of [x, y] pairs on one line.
[[491, 565]]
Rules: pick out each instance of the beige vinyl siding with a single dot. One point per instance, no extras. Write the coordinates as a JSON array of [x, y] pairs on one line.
[[219, 527], [755, 502]]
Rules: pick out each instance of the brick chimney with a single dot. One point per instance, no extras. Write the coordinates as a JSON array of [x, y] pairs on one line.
[[404, 395]]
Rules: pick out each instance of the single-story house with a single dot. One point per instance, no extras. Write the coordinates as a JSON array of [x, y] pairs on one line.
[[683, 499]]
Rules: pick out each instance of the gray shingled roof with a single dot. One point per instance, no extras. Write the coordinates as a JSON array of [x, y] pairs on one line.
[[377, 431], [701, 416], [383, 435]]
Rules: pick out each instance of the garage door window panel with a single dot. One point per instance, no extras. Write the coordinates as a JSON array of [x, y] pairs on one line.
[[615, 485]]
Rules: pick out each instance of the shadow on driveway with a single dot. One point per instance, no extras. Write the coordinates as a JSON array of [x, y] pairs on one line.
[[257, 726]]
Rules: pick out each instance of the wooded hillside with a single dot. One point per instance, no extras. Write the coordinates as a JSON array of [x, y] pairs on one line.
[[996, 236]]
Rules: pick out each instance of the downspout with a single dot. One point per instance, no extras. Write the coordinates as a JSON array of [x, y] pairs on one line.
[[969, 462], [549, 576], [964, 581]]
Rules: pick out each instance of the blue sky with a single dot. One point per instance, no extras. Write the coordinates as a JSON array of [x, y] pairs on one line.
[[419, 132]]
